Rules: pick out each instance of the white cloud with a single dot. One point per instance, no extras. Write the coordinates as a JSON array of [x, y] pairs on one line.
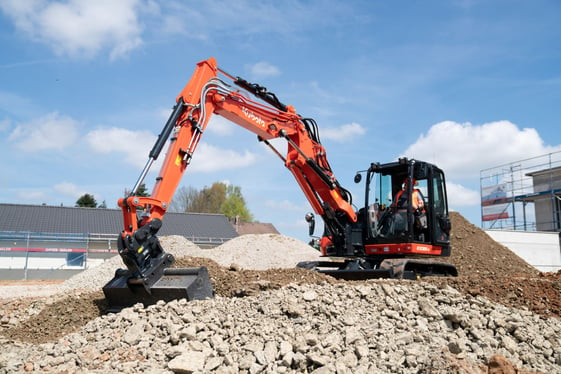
[[209, 158], [220, 126], [69, 190], [463, 149], [460, 196], [32, 196], [263, 69], [5, 124], [285, 205], [53, 131], [79, 28], [342, 133], [135, 145]]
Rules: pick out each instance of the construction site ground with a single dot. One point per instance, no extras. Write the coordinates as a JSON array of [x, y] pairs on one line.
[[485, 268]]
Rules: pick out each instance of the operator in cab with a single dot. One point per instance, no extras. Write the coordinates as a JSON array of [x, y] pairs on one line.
[[394, 224], [417, 206], [417, 199]]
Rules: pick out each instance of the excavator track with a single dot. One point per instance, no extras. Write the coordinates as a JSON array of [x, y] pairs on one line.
[[399, 268]]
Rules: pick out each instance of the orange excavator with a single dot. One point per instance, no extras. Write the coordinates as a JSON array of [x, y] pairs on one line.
[[384, 237]]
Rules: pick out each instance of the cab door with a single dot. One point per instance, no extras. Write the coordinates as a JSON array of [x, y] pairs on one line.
[[438, 212]]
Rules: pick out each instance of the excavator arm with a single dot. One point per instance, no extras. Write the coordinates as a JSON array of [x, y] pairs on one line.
[[212, 91], [367, 253]]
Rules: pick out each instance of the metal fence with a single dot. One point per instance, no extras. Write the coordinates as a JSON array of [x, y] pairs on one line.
[[38, 255]]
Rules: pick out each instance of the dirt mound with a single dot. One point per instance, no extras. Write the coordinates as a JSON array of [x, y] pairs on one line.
[[233, 281], [487, 268], [476, 253], [48, 320]]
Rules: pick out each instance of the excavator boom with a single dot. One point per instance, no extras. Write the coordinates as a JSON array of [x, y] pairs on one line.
[[211, 91]]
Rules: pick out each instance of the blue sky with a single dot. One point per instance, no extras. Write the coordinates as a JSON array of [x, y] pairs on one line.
[[86, 86]]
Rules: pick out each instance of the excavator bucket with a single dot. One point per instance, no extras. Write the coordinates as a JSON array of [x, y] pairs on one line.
[[174, 283], [150, 278]]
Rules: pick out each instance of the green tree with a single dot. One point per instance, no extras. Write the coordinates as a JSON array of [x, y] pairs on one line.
[[219, 198], [234, 205], [213, 197], [141, 191], [86, 201]]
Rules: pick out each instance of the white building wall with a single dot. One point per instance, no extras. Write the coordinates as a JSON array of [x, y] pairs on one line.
[[34, 262], [49, 260], [542, 250]]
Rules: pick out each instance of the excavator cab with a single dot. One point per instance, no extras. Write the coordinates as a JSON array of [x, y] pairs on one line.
[[404, 218], [405, 209]]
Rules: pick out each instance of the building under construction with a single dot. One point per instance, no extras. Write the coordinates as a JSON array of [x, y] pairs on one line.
[[524, 195]]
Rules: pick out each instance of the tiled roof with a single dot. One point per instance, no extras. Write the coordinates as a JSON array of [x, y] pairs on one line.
[[244, 228], [73, 220]]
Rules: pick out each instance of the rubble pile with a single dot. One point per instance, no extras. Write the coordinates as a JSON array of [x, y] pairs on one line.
[[499, 315], [375, 326]]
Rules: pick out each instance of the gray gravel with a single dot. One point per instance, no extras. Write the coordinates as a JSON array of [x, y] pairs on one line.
[[374, 327], [371, 327], [252, 252]]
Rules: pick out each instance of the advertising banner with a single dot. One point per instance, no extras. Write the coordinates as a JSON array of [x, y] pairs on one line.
[[494, 202]]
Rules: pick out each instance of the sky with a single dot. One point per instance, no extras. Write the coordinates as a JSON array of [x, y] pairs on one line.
[[86, 87]]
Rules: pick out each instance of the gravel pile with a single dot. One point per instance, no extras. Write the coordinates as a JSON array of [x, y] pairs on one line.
[[256, 252], [372, 327], [95, 278], [312, 325], [253, 252]]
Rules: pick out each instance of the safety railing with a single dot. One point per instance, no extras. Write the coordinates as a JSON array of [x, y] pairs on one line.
[[52, 254]]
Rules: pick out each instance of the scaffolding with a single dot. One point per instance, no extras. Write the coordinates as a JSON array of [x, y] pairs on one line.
[[523, 195]]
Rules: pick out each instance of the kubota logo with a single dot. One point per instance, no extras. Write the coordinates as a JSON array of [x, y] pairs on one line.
[[252, 116]]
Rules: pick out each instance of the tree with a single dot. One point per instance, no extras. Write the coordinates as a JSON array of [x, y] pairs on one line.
[[86, 201], [141, 191], [207, 200], [213, 198], [183, 198], [219, 198], [234, 205]]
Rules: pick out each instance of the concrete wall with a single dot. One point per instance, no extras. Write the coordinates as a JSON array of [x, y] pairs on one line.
[[545, 220], [542, 250], [48, 265], [19, 274]]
